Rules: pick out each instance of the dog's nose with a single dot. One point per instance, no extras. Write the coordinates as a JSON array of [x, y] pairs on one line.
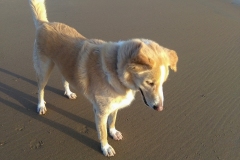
[[158, 108]]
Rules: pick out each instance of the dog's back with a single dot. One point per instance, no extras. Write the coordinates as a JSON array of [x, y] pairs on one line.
[[55, 38]]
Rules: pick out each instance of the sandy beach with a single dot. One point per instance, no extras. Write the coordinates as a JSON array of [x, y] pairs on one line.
[[201, 118]]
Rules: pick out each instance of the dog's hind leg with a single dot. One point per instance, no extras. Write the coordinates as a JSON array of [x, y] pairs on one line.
[[111, 123], [68, 92], [43, 67]]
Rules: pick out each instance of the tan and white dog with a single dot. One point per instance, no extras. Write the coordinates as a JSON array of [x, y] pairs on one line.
[[108, 73]]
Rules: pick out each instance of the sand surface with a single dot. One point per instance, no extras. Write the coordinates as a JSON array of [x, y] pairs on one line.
[[201, 119]]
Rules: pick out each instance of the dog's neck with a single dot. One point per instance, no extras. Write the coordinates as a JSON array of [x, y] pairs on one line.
[[109, 55], [123, 59]]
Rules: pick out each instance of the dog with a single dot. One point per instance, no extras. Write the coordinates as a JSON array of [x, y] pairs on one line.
[[108, 73]]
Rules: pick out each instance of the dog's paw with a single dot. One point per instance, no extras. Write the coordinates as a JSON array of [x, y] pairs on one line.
[[108, 150], [115, 134], [41, 109], [70, 95]]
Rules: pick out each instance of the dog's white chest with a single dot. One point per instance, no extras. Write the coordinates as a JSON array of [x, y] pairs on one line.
[[123, 101]]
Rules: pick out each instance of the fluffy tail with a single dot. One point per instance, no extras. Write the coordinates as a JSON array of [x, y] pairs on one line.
[[38, 11]]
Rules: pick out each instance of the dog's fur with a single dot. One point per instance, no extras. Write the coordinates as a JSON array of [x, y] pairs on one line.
[[108, 73]]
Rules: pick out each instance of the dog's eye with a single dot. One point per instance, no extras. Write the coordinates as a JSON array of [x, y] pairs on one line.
[[150, 83]]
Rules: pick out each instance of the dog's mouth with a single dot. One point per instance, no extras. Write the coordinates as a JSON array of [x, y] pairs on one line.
[[155, 107], [144, 99]]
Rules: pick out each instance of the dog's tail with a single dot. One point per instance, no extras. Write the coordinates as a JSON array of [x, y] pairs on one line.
[[38, 11]]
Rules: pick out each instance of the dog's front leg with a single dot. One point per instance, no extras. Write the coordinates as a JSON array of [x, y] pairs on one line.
[[101, 124], [111, 123]]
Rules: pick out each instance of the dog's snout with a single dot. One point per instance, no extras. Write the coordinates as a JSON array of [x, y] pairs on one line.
[[158, 108]]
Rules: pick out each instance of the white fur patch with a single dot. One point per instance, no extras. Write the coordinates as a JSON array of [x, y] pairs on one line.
[[115, 134], [108, 150], [162, 77], [163, 73], [123, 101], [112, 130]]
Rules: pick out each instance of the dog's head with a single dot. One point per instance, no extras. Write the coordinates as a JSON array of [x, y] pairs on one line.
[[144, 65]]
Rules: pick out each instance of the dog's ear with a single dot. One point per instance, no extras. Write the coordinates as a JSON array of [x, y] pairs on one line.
[[173, 59], [133, 52], [140, 62]]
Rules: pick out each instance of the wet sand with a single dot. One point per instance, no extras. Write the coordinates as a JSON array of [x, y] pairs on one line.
[[201, 118]]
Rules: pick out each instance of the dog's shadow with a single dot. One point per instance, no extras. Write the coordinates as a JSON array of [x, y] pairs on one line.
[[28, 108]]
